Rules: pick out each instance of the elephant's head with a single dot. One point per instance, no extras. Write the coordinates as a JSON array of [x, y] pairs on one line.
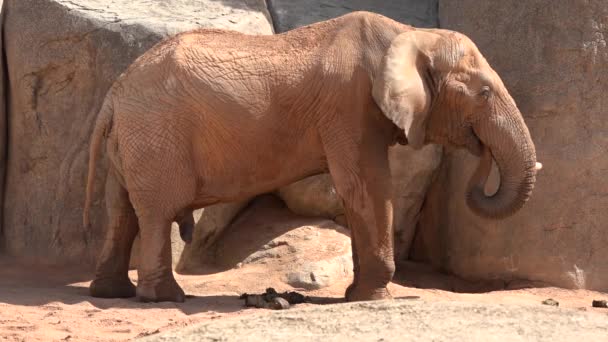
[[438, 88]]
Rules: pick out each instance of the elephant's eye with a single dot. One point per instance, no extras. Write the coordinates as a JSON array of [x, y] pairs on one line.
[[485, 92]]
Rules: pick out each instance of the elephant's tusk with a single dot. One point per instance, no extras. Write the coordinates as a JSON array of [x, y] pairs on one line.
[[538, 166]]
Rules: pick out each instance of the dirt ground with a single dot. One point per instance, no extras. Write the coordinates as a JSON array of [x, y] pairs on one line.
[[399, 320], [50, 303]]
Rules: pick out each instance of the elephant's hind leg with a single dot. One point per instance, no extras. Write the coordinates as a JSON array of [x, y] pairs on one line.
[[111, 276], [156, 281]]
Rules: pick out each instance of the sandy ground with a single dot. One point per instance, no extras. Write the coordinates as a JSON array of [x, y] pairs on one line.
[[402, 320], [50, 303]]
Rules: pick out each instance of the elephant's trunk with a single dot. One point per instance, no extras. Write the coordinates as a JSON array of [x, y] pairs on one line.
[[507, 140]]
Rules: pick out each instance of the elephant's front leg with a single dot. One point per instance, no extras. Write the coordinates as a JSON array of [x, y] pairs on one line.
[[370, 223], [353, 246], [362, 179]]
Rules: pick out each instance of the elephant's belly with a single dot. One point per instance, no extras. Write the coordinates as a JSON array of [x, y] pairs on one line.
[[236, 185], [256, 169]]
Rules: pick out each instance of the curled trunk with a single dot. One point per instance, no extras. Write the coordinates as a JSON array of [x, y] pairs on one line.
[[508, 142]]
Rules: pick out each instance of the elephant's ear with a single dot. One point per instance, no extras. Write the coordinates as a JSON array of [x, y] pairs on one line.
[[400, 88]]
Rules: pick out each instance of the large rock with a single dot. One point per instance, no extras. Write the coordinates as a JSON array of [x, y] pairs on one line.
[[210, 223], [304, 252], [62, 57], [313, 196], [289, 14], [412, 171], [553, 57]]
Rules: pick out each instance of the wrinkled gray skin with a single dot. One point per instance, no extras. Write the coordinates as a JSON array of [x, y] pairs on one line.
[[213, 116]]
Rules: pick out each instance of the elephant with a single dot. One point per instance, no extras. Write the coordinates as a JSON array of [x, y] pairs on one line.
[[213, 116]]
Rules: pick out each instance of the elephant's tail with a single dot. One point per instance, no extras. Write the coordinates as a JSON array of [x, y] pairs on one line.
[[101, 131]]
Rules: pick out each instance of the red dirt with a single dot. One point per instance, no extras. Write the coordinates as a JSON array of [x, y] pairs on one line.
[[42, 303]]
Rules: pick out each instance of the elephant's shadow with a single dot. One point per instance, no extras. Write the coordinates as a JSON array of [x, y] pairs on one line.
[[34, 284], [424, 276], [37, 284]]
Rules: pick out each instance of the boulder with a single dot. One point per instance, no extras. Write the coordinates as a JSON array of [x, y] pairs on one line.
[[412, 171], [313, 196], [553, 58], [62, 56], [210, 223], [303, 252], [289, 14]]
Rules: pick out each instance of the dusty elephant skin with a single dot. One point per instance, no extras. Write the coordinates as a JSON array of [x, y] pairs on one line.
[[214, 116], [58, 71], [412, 170]]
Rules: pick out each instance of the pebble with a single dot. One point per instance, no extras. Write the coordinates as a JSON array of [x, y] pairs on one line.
[[551, 302]]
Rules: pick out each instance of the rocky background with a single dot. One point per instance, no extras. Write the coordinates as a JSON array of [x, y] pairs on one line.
[[60, 57], [553, 58]]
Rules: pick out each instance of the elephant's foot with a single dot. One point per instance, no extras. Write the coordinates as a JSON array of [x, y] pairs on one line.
[[355, 293], [165, 290], [115, 287]]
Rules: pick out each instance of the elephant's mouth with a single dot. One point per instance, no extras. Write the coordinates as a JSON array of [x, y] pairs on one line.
[[473, 144]]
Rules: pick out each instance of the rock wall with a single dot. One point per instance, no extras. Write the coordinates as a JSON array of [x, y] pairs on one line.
[[62, 57], [289, 14], [553, 57]]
